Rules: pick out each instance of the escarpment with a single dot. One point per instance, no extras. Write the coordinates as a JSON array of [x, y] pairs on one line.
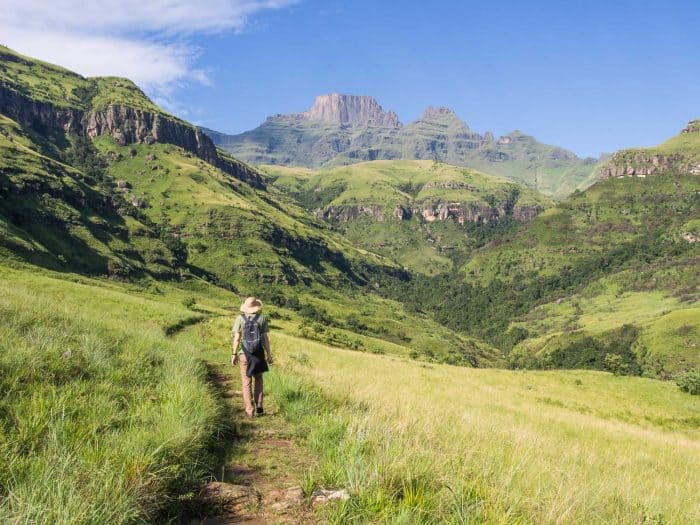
[[642, 164], [125, 124], [432, 211], [654, 161]]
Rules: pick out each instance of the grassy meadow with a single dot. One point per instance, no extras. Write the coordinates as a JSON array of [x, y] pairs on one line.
[[105, 419], [417, 443], [101, 415]]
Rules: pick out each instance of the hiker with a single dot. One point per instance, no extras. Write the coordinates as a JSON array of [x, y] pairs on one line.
[[251, 328]]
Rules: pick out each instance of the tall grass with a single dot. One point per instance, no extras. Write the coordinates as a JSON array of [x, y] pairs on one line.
[[99, 416], [437, 444]]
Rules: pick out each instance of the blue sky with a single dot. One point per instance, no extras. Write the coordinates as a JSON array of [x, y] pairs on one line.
[[590, 76]]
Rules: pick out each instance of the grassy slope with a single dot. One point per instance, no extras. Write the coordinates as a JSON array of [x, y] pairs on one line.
[[58, 216], [414, 442], [550, 170], [45, 82], [632, 228], [78, 219], [685, 145], [662, 301], [589, 225], [438, 444], [100, 414], [243, 239], [421, 246]]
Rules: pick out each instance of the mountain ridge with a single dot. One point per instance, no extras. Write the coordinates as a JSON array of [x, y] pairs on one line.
[[345, 129]]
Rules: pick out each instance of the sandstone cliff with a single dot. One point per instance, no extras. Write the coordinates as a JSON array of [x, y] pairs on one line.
[[431, 211], [126, 125], [350, 110], [667, 158]]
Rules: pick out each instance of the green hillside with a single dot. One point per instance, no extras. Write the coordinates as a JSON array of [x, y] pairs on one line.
[[612, 270], [423, 214], [128, 241], [162, 208]]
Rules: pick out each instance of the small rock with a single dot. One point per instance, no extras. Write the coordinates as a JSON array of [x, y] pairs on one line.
[[321, 496], [149, 140], [122, 184], [690, 237], [150, 157], [229, 497], [138, 203], [284, 499]]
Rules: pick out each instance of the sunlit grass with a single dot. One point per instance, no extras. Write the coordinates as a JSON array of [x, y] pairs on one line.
[[517, 447], [100, 414]]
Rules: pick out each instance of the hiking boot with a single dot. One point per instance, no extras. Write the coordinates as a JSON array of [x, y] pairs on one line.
[[259, 411]]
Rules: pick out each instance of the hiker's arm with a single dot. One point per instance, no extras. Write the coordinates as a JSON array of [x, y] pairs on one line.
[[234, 350], [266, 345]]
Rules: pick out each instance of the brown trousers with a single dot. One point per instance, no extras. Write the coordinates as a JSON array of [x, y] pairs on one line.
[[250, 392]]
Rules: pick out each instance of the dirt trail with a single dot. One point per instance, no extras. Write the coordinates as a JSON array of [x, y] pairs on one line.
[[259, 479]]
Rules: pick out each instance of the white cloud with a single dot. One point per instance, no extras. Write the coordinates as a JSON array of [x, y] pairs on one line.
[[148, 41]]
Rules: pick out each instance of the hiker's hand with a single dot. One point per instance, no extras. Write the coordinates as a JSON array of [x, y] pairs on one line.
[[270, 360], [234, 359]]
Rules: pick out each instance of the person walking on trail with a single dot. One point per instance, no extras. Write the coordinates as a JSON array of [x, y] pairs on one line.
[[251, 329]]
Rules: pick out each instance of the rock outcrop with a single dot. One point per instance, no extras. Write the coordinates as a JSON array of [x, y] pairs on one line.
[[653, 161], [432, 211], [692, 127], [351, 213], [643, 164], [126, 125], [474, 212], [350, 110]]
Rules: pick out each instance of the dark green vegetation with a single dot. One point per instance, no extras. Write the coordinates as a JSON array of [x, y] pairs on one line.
[[309, 141], [606, 280]]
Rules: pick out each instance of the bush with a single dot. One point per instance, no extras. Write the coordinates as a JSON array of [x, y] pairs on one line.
[[616, 364], [189, 302], [689, 382]]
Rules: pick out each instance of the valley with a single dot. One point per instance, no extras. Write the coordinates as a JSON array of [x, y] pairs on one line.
[[467, 329]]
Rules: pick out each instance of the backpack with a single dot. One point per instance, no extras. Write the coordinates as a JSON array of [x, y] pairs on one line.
[[252, 340]]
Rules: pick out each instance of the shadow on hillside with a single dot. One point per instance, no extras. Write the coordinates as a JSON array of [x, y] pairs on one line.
[[233, 431]]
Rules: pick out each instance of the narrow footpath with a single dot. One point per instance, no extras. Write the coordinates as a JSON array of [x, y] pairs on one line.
[[259, 481]]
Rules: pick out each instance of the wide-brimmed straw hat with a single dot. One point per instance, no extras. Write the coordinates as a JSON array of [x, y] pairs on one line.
[[251, 305]]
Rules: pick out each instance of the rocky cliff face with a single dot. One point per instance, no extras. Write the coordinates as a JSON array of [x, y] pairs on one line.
[[654, 161], [626, 164], [350, 110], [126, 125], [431, 212]]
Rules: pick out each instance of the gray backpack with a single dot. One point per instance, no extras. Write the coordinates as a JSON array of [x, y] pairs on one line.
[[252, 340]]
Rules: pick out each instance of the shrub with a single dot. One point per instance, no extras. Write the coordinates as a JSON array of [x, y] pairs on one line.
[[189, 302], [616, 364], [689, 381]]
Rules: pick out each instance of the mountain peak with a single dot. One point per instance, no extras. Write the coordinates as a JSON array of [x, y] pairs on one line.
[[443, 114], [438, 112], [350, 110]]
